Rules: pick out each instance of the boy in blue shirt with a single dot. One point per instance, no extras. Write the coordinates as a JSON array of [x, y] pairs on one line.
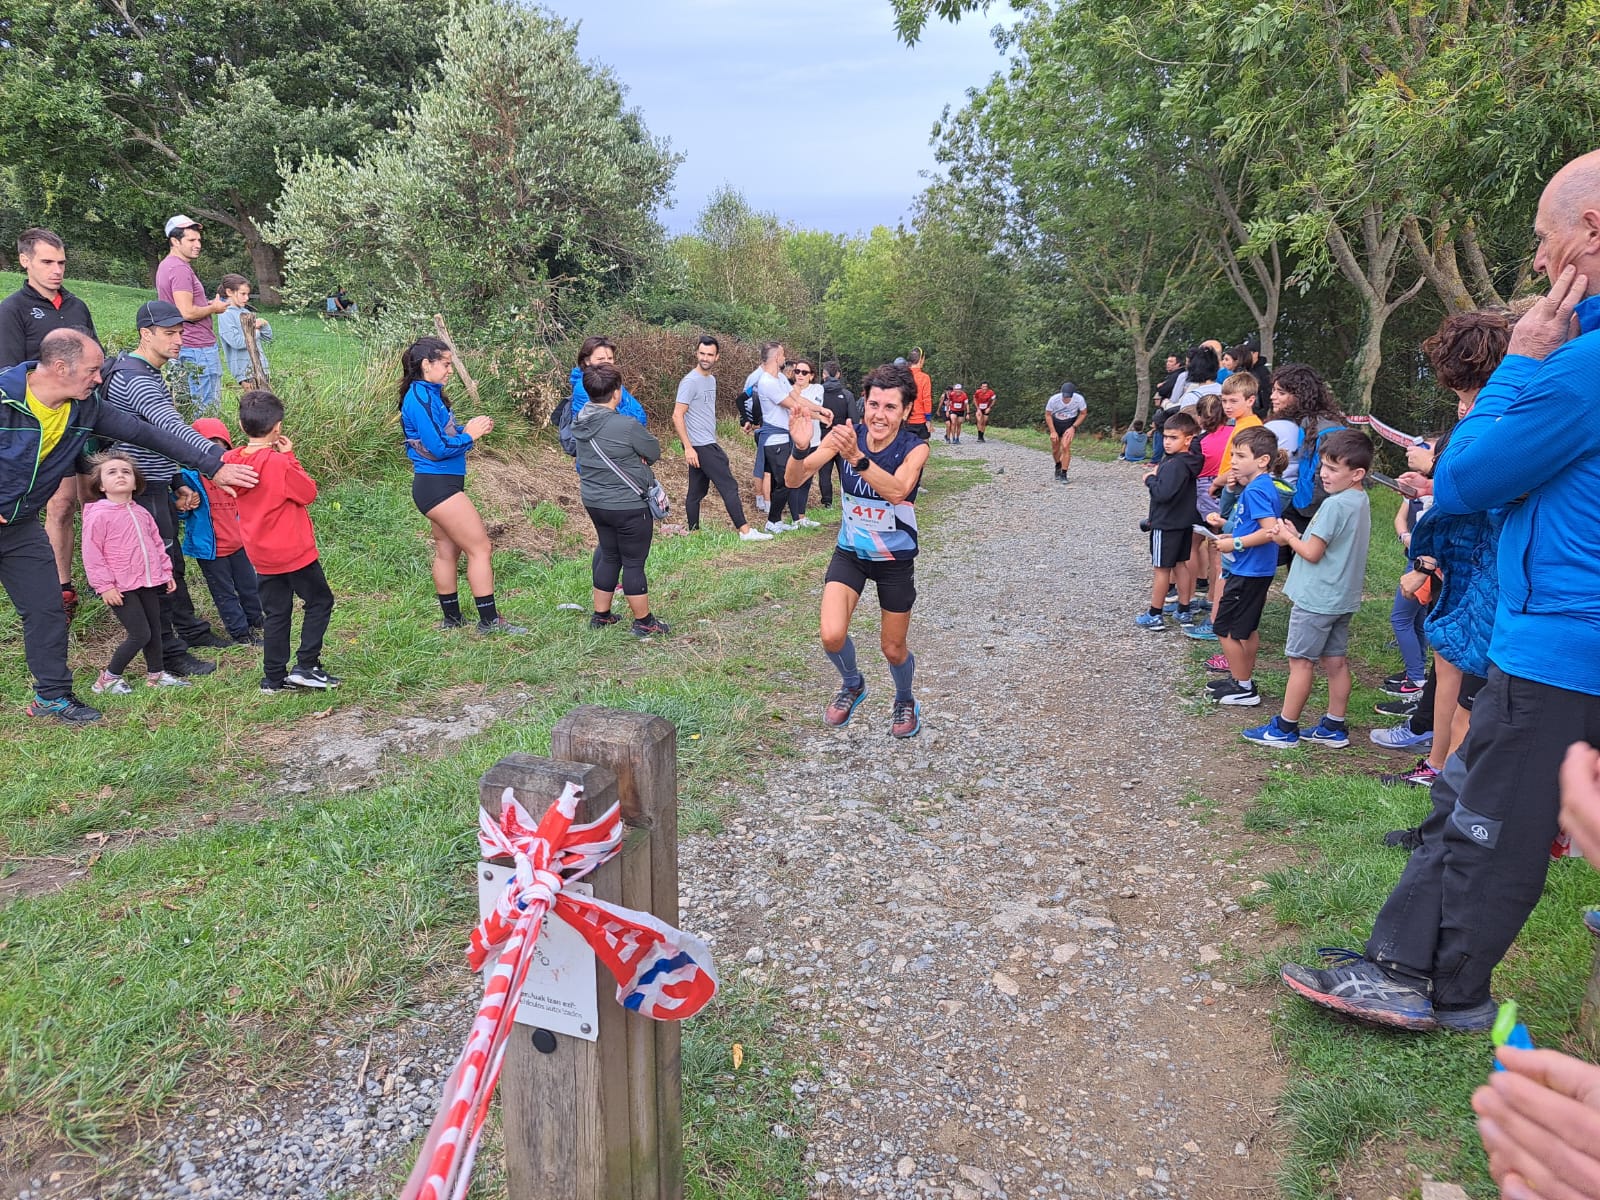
[[1324, 584], [1134, 443], [1250, 560]]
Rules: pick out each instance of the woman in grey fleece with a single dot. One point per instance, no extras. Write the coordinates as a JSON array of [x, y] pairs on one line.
[[613, 492]]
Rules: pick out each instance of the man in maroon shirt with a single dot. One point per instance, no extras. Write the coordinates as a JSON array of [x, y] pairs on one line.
[[177, 284]]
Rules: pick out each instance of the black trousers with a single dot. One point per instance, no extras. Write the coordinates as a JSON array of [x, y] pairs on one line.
[[713, 470], [28, 574], [625, 535], [1468, 889], [825, 479], [776, 460], [140, 615], [277, 609], [181, 626]]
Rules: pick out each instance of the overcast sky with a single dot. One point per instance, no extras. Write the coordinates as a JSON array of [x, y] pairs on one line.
[[811, 108]]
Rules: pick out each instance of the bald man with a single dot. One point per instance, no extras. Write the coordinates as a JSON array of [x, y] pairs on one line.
[[48, 411], [1531, 445]]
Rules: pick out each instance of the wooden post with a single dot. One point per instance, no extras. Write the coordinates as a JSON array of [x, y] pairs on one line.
[[1589, 1014], [258, 365], [601, 1120], [467, 380]]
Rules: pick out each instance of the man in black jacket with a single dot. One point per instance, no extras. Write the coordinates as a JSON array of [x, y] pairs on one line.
[[39, 306], [49, 410]]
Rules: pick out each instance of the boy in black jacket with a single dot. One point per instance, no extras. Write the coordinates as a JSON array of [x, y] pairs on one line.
[[1173, 515]]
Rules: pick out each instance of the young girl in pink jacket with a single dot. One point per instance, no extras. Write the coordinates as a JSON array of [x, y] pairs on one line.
[[128, 566]]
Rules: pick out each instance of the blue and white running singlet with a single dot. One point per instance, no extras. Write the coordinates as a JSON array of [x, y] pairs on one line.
[[873, 528]]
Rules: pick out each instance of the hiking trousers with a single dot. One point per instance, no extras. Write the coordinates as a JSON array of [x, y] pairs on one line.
[[1468, 889]]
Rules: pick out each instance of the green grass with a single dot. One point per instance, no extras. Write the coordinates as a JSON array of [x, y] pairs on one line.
[[1358, 1094]]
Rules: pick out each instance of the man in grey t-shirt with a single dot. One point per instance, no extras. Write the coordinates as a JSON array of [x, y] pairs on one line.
[[694, 416]]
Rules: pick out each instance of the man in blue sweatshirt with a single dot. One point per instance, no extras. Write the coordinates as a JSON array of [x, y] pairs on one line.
[[1532, 442]]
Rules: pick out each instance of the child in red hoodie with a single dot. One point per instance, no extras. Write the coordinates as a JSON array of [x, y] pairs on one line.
[[281, 543], [212, 537]]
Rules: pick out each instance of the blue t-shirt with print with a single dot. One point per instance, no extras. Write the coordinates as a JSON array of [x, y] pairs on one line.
[[1258, 502]]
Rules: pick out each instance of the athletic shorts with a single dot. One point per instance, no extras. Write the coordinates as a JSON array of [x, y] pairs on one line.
[[1169, 547], [896, 580], [1317, 635], [922, 430], [1244, 598], [1062, 424], [1471, 685], [982, 409], [1203, 497], [430, 491]]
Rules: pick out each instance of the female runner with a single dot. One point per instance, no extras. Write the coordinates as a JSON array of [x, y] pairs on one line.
[[881, 468]]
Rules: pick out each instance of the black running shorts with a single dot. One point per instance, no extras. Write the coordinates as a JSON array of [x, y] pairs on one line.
[[1244, 598], [430, 491], [1169, 547], [896, 580]]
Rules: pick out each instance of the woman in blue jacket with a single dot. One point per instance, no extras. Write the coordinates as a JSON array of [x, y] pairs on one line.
[[437, 447], [599, 351]]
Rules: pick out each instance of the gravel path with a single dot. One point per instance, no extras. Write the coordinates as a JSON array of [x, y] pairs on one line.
[[1006, 941]]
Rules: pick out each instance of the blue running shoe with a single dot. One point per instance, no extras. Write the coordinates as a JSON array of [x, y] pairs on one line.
[[1170, 607], [1400, 737], [1324, 734], [1273, 734], [1154, 624], [1352, 984], [1186, 616], [1200, 631]]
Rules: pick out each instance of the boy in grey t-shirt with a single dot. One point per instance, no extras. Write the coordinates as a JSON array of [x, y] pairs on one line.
[[1324, 585], [694, 416]]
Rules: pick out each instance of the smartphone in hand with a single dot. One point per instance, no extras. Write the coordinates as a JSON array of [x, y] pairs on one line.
[[1393, 484]]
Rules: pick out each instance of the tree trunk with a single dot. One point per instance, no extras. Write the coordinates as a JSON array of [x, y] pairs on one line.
[[1368, 356], [266, 260], [1142, 353], [1269, 327]]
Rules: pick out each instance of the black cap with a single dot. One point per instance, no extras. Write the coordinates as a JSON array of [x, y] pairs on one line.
[[1068, 388], [155, 314]]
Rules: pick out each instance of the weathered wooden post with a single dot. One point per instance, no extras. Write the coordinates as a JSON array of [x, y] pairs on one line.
[[258, 366], [596, 1114], [1589, 1014]]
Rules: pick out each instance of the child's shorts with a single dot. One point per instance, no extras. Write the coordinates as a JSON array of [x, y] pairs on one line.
[[1169, 547], [1244, 597], [1317, 635], [1203, 498]]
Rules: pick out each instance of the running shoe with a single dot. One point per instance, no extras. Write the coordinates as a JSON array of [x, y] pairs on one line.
[[1154, 624], [1217, 686], [1404, 839], [166, 679], [271, 687], [187, 664], [843, 705], [1237, 694], [66, 708], [312, 677], [1421, 775], [1471, 1018], [1352, 984], [211, 640], [805, 522], [255, 639], [907, 720], [1395, 708], [112, 685], [1399, 685], [1400, 737], [1273, 734], [755, 535], [1170, 605], [449, 623], [649, 627], [1218, 662], [1185, 616], [1200, 631], [600, 620], [779, 527], [500, 627], [1324, 733]]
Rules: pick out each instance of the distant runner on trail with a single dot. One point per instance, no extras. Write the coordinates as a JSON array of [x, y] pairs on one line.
[[955, 411], [882, 469], [982, 403], [1063, 413]]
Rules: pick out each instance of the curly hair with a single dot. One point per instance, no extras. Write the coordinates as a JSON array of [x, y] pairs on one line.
[[1312, 397], [1468, 348]]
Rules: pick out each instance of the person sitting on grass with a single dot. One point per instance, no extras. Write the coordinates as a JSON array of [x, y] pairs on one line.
[[1324, 586], [1248, 553], [1134, 444], [1172, 518]]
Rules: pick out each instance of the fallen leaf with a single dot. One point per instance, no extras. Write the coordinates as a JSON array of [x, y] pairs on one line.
[[99, 839], [63, 807], [107, 792], [170, 906], [93, 858], [738, 1056], [324, 713]]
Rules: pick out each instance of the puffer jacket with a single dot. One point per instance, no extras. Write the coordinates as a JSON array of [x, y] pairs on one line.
[[1461, 622]]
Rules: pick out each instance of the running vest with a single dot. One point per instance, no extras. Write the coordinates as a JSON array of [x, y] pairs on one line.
[[873, 528]]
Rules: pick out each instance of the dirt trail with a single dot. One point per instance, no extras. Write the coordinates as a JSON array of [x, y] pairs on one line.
[[1008, 940]]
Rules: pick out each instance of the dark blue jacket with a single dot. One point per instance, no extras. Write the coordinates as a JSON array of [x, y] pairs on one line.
[[26, 484]]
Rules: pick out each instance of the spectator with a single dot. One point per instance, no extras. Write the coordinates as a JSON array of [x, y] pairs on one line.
[[40, 305], [1317, 414], [922, 408], [212, 536], [694, 416], [777, 397], [230, 328], [1134, 443], [1467, 890], [840, 402], [178, 285]]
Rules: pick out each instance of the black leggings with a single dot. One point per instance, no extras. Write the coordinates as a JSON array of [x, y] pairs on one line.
[[624, 535], [713, 469], [140, 614]]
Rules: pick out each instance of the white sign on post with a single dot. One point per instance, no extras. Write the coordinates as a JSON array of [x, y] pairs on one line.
[[559, 993]]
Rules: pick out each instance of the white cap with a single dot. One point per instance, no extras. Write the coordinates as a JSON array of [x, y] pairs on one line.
[[181, 222]]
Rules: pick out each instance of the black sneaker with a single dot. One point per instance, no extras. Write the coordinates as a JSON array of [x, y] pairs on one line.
[[1404, 839], [1350, 983], [499, 627], [312, 677], [269, 688], [1236, 693], [209, 640], [450, 623], [68, 709], [187, 664], [247, 639], [650, 626], [600, 620], [1396, 708]]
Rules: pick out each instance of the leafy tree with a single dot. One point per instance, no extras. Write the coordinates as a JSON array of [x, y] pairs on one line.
[[119, 113], [517, 188], [865, 324]]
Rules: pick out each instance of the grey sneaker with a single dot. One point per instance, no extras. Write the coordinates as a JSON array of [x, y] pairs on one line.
[[1353, 984], [500, 627], [166, 679], [111, 685]]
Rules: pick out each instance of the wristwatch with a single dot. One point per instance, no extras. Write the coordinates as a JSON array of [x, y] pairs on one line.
[[860, 464], [1238, 545]]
